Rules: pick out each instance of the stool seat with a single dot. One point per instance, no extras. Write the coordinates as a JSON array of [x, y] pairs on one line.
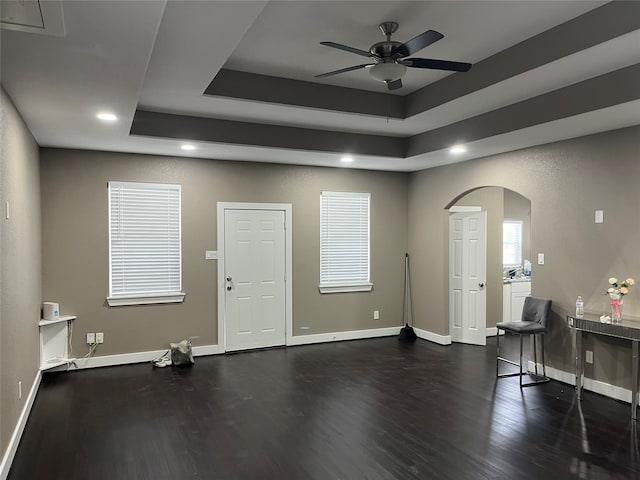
[[521, 327], [533, 322]]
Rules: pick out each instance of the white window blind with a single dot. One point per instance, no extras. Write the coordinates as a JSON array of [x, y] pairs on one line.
[[145, 255], [511, 243], [344, 242]]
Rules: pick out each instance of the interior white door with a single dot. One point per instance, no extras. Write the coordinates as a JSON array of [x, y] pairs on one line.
[[254, 266], [467, 277]]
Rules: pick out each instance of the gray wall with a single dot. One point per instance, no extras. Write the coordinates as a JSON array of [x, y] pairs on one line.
[[490, 199], [566, 182], [75, 244], [20, 265]]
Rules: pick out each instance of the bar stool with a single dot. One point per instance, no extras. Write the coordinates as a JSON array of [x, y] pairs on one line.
[[534, 322]]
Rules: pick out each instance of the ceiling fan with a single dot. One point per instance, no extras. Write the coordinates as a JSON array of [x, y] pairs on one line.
[[389, 57]]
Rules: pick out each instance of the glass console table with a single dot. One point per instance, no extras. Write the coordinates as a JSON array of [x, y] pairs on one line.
[[627, 329]]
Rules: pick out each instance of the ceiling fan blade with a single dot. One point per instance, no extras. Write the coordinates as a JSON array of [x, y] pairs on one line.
[[437, 64], [417, 43], [347, 48], [343, 70], [394, 85]]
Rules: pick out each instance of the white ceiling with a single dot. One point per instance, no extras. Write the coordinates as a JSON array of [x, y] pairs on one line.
[[161, 56]]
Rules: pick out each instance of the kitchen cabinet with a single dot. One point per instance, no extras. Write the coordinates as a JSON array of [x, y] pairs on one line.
[[519, 291], [506, 302], [513, 295]]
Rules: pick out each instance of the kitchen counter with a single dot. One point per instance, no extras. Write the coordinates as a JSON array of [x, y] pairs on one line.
[[516, 280]]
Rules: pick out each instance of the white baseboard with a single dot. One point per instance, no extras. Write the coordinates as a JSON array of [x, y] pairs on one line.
[[141, 357], [433, 337], [596, 386], [493, 331], [207, 350], [7, 460], [138, 357], [340, 336]]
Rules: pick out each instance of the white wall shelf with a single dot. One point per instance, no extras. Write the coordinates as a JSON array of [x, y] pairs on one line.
[[54, 342], [63, 318]]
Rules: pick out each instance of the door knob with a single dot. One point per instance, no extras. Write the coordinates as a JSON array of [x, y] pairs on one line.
[[481, 285], [228, 288], [228, 278]]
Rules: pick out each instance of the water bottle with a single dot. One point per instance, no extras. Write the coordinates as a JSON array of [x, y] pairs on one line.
[[579, 307]]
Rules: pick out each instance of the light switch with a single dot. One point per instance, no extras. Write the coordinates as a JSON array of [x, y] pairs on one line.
[[541, 259], [211, 255], [599, 216]]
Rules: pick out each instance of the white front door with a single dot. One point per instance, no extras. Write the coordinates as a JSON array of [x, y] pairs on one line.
[[467, 277], [254, 278]]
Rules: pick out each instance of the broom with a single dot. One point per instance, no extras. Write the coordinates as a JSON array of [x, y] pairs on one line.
[[406, 333]]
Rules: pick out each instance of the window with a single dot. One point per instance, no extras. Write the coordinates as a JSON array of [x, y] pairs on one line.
[[344, 242], [145, 253], [511, 243]]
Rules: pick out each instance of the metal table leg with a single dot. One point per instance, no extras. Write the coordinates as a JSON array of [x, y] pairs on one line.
[[634, 372], [578, 350]]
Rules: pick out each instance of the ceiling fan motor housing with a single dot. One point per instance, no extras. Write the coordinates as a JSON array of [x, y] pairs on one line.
[[383, 49]]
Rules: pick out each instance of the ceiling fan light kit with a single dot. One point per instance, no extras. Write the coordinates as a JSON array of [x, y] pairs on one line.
[[389, 57], [387, 72]]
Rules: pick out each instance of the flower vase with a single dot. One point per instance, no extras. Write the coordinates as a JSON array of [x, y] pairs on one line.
[[616, 307]]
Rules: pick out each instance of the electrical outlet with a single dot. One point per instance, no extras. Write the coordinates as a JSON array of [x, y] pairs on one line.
[[376, 314], [589, 356], [91, 338], [20, 390], [99, 337]]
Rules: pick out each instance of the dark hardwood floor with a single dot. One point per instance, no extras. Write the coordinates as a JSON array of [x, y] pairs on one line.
[[369, 409]]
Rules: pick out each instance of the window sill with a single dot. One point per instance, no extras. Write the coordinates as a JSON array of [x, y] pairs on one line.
[[145, 299], [362, 287]]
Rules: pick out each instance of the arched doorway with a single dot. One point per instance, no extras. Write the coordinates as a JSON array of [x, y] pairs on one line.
[[487, 305]]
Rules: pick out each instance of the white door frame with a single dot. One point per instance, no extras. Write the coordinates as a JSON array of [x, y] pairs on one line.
[[288, 257], [465, 209]]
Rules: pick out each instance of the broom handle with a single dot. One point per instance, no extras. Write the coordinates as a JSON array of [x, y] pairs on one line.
[[407, 307]]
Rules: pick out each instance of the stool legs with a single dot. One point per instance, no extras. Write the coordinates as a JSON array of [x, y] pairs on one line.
[[521, 340], [498, 353], [521, 372], [544, 369], [535, 355]]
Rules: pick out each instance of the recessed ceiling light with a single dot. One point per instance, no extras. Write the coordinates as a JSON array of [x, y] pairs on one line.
[[186, 146], [346, 159], [456, 149], [107, 117]]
